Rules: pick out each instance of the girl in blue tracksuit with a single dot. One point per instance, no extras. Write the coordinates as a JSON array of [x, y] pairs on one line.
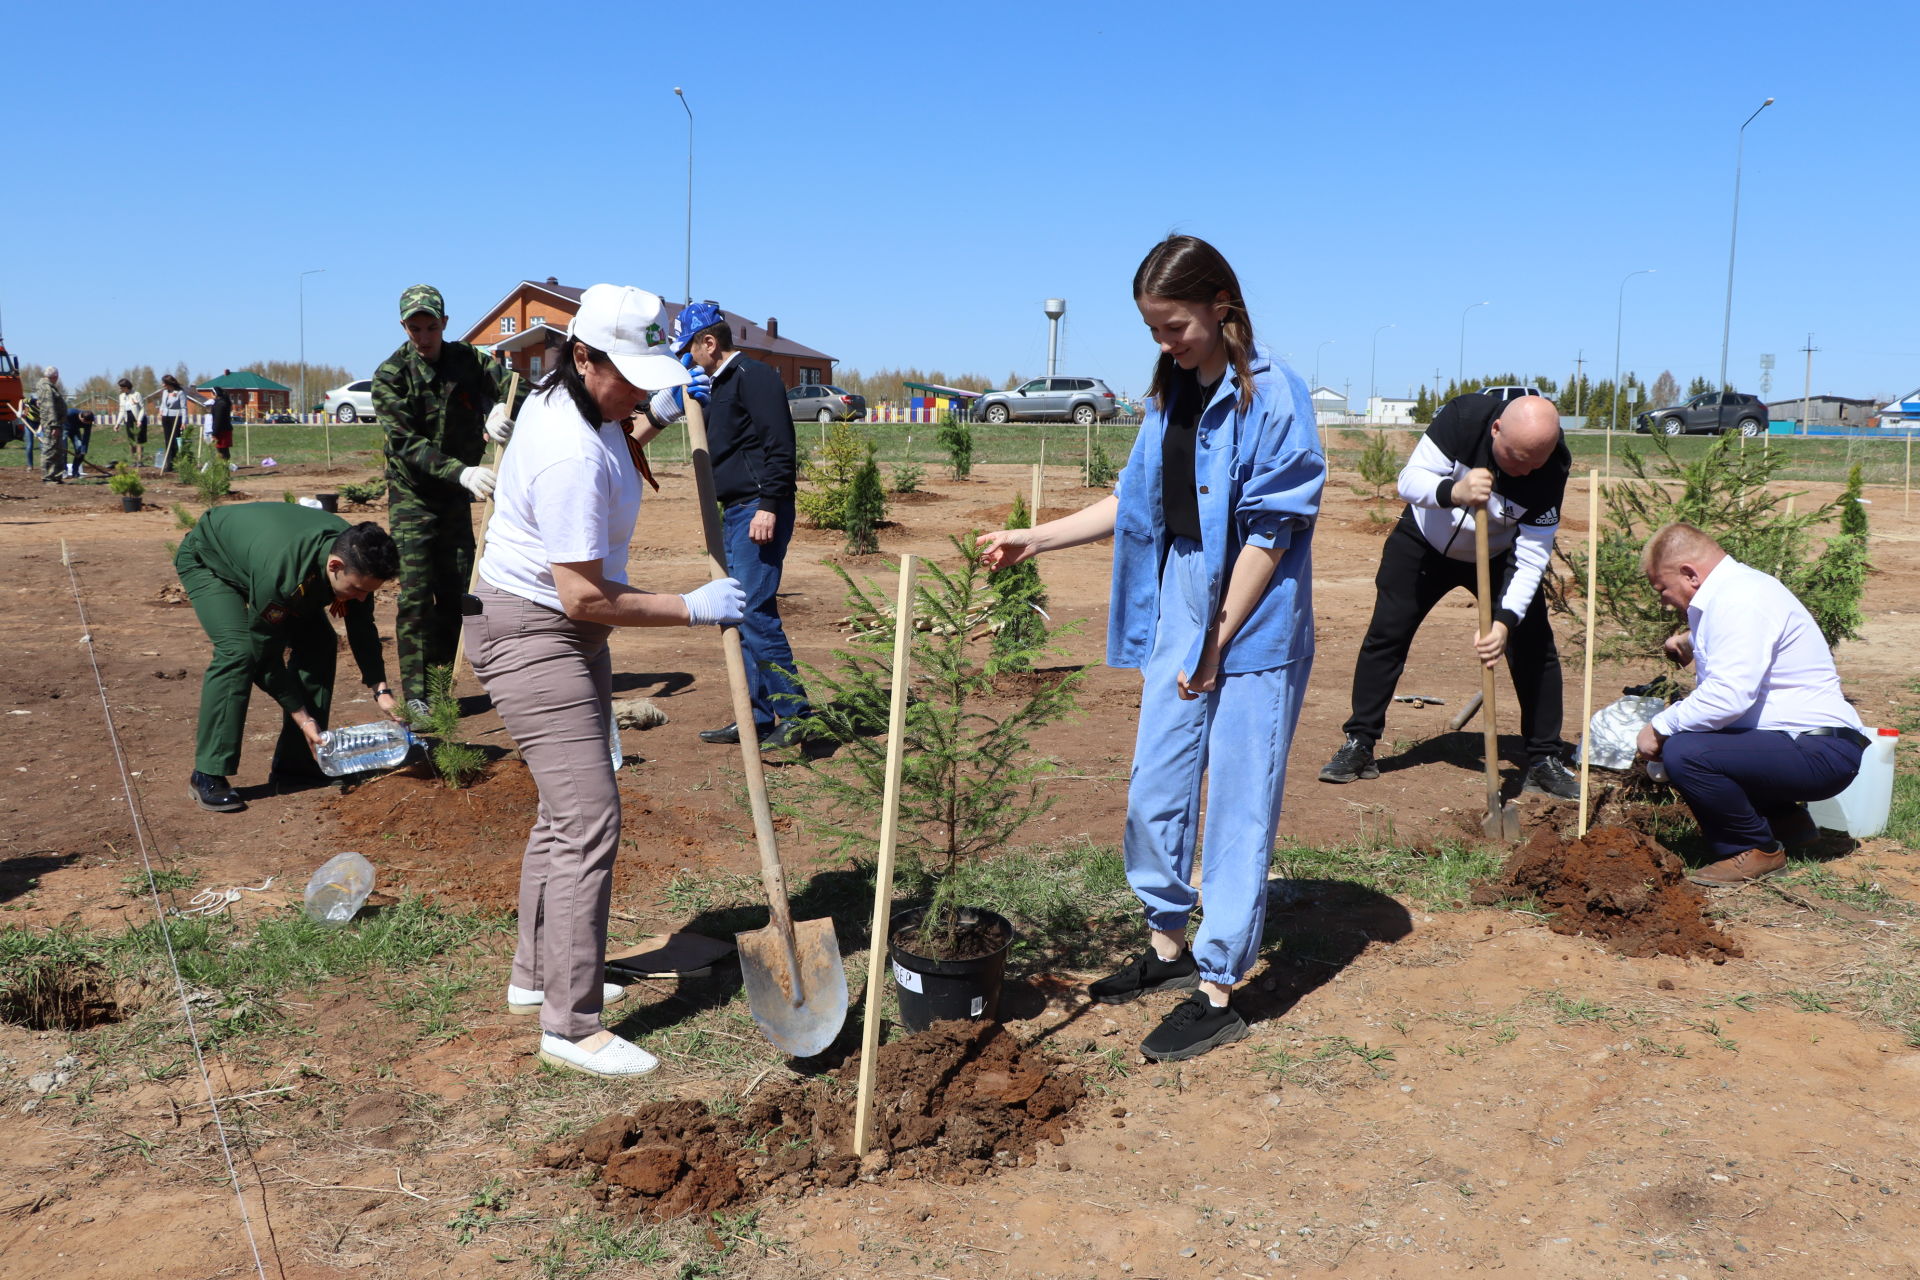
[[1213, 600]]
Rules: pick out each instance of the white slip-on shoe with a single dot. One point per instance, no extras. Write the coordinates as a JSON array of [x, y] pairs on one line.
[[521, 1000], [613, 1059]]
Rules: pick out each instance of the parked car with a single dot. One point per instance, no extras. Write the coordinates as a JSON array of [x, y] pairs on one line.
[[281, 418], [1081, 400], [352, 402], [824, 402], [1504, 394], [1712, 412]]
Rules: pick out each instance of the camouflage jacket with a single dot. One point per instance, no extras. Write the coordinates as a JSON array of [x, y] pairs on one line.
[[435, 415], [53, 401]]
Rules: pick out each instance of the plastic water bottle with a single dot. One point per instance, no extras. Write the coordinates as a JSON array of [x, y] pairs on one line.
[[360, 747], [613, 743], [1861, 810], [339, 888]]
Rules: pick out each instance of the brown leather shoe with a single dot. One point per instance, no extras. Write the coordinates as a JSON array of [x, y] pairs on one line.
[[1729, 873]]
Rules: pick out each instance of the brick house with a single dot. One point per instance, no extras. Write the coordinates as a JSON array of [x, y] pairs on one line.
[[526, 328], [254, 396]]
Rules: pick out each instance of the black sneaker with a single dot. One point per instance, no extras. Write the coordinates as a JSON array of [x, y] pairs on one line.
[[1147, 972], [213, 793], [1194, 1027], [1550, 777], [1352, 762]]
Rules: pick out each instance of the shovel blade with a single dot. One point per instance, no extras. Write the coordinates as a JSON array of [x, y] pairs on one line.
[[800, 1012], [1502, 823]]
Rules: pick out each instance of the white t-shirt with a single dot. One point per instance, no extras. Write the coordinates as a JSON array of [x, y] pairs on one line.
[[568, 492]]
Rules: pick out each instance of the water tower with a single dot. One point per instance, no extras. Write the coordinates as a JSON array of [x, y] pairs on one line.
[[1055, 308]]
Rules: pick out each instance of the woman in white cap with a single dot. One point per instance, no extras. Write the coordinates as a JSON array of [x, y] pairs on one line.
[[552, 586]]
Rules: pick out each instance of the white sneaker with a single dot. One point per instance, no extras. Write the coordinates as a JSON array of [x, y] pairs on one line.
[[521, 1000], [616, 1057]]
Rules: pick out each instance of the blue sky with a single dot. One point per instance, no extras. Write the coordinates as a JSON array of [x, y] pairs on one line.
[[904, 185]]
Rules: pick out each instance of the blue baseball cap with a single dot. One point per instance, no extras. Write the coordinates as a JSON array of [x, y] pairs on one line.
[[693, 317]]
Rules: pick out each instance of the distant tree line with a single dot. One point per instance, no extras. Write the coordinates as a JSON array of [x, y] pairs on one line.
[[890, 384], [1591, 398]]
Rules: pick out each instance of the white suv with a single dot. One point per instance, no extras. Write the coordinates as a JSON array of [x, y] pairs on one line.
[[352, 402], [1504, 394]]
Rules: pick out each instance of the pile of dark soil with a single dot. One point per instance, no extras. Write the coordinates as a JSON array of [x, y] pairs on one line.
[[1615, 885], [950, 1104]]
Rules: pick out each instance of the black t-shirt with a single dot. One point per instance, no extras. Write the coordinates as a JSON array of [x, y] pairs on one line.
[[1179, 489]]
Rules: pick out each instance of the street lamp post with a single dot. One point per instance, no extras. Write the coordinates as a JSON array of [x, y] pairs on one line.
[[1460, 378], [1373, 363], [1619, 314], [303, 335], [679, 93], [1733, 240], [1316, 365]]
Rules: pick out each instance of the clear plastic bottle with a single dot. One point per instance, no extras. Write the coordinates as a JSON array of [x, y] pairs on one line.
[[360, 747], [613, 743], [339, 888]]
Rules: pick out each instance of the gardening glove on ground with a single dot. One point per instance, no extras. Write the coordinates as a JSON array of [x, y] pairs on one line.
[[720, 603], [499, 425], [479, 481]]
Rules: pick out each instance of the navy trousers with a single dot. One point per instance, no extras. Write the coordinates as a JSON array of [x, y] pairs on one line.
[[1734, 780]]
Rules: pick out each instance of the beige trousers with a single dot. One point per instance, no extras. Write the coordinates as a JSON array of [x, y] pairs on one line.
[[551, 680]]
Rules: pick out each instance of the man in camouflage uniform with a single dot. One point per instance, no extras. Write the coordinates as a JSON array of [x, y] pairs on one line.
[[53, 425], [440, 402]]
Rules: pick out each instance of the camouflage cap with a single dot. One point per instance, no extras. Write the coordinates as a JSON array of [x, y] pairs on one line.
[[422, 297]]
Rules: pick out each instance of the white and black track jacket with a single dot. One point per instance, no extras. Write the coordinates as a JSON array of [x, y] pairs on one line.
[[1525, 509]]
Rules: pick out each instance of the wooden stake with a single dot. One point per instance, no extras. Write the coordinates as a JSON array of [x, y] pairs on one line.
[[1909, 481], [1086, 460], [1035, 513], [1586, 714], [883, 873], [479, 543]]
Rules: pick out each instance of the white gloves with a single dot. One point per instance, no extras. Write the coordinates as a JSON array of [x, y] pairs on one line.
[[479, 481], [720, 603], [499, 425], [665, 406]]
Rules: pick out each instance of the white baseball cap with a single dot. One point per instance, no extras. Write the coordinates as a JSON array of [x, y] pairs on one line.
[[632, 326]]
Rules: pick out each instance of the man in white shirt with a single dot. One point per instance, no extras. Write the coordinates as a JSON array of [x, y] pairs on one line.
[[1766, 728]]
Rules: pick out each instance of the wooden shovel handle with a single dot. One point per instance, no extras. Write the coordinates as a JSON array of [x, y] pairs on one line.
[[772, 878], [1489, 725]]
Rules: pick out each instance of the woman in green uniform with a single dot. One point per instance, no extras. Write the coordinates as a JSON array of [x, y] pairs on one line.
[[262, 577]]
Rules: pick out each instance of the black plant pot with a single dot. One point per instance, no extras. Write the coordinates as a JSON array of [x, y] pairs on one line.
[[130, 502], [934, 990], [328, 501]]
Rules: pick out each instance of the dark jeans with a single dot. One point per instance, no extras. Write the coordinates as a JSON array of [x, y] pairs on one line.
[[1413, 578], [777, 692], [1734, 780]]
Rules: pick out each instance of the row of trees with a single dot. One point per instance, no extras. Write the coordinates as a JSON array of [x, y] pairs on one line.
[[101, 391], [1580, 397], [890, 384]]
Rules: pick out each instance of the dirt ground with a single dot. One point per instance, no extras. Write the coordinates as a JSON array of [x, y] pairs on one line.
[[1460, 1091]]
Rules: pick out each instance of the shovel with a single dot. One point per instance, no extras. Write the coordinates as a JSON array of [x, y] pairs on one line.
[[1503, 820], [796, 985]]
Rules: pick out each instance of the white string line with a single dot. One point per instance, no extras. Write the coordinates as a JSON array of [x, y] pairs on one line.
[[160, 914]]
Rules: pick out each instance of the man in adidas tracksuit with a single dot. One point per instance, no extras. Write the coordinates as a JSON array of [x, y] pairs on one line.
[[1479, 455]]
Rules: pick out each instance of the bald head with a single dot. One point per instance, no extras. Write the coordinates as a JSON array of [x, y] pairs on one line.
[[1677, 559], [1525, 434]]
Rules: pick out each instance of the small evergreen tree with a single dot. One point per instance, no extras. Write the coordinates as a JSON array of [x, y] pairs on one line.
[[969, 777], [1101, 473], [1698, 386], [1019, 626], [956, 437], [1423, 407], [865, 508], [457, 763], [831, 471], [1379, 464]]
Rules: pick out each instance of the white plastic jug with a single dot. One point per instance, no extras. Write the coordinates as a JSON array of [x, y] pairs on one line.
[[1861, 810], [339, 888]]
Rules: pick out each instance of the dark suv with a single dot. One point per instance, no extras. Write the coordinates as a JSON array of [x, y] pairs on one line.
[[1711, 412], [1080, 400]]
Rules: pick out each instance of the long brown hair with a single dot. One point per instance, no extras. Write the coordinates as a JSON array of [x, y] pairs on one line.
[[1188, 269]]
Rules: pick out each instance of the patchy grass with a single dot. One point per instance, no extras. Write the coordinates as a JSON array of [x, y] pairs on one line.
[[1439, 879], [165, 880], [1330, 1063]]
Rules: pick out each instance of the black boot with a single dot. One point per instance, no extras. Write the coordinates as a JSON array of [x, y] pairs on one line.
[[213, 793]]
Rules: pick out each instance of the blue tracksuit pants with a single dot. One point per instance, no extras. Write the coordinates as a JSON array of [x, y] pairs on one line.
[[1236, 738]]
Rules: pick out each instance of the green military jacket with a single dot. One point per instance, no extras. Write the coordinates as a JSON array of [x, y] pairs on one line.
[[275, 555], [436, 415], [53, 402]]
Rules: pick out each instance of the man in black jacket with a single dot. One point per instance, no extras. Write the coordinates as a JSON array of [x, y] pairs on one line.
[[750, 439], [1506, 460]]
